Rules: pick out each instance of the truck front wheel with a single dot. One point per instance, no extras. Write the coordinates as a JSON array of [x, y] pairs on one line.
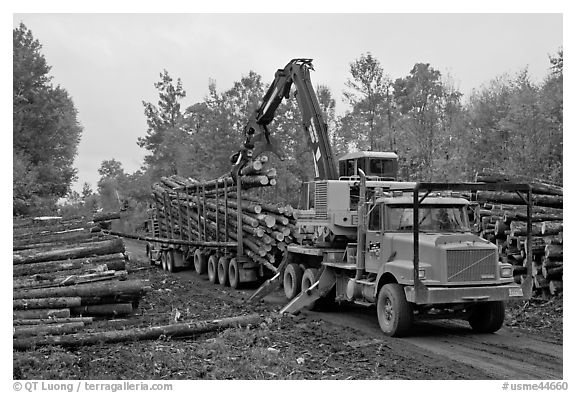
[[394, 312], [487, 317]]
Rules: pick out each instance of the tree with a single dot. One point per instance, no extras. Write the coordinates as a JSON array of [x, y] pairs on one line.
[[46, 131], [419, 98], [87, 190], [163, 120], [371, 102]]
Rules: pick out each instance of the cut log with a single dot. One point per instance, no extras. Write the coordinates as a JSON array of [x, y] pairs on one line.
[[46, 281], [88, 250], [520, 228], [105, 216], [252, 168], [19, 322], [554, 251], [57, 302], [42, 330], [555, 201], [41, 313], [107, 288], [111, 261], [552, 273], [75, 235], [116, 309], [150, 333], [555, 287], [551, 228]]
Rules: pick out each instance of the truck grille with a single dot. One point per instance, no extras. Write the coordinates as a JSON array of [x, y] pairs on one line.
[[471, 265], [321, 201]]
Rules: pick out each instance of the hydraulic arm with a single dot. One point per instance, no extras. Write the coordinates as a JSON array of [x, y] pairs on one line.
[[258, 138]]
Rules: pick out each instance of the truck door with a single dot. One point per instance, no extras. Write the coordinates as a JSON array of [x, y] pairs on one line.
[[374, 239]]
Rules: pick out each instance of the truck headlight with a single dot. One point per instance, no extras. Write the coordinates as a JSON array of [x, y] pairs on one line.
[[506, 271], [421, 274]]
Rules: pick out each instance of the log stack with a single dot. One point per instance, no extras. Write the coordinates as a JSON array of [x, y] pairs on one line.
[[503, 222], [187, 209], [64, 276]]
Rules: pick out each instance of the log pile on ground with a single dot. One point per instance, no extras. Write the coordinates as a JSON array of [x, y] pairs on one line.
[[65, 274], [187, 209], [504, 216]]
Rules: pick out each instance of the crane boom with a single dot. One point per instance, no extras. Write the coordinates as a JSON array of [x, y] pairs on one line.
[[258, 138]]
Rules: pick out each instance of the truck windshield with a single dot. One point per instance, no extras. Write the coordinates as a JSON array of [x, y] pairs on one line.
[[439, 218]]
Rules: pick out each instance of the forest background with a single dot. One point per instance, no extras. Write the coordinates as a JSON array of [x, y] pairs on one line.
[[511, 125]]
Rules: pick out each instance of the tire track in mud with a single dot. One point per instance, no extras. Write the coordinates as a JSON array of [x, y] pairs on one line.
[[506, 354]]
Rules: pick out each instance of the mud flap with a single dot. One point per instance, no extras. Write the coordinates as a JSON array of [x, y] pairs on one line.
[[318, 290]]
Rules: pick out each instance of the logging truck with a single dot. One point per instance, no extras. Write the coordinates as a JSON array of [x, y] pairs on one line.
[[362, 236]]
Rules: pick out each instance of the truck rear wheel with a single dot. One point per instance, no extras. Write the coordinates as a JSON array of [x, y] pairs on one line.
[[200, 262], [222, 271], [394, 312], [213, 269], [487, 317], [292, 280], [308, 279], [234, 273]]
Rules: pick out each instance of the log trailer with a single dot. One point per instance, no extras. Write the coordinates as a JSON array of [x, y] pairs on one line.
[[406, 248]]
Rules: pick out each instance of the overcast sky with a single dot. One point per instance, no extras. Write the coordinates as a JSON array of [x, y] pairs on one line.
[[109, 62]]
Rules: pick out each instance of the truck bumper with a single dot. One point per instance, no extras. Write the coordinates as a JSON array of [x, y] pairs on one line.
[[443, 295]]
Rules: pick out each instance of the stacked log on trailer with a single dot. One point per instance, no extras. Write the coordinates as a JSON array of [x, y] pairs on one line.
[[65, 274], [503, 217], [187, 209]]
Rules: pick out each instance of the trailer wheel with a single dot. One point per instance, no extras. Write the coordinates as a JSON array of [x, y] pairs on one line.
[[223, 263], [394, 312], [292, 280], [170, 261], [487, 317], [149, 254], [234, 273], [200, 262], [213, 269], [163, 260]]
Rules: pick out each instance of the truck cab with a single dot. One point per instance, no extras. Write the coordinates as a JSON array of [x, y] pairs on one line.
[[450, 254], [414, 257]]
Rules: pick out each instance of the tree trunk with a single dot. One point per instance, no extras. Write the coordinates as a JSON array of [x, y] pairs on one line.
[[136, 334], [87, 250]]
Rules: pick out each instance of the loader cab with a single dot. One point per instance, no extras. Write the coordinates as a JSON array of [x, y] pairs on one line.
[[376, 165]]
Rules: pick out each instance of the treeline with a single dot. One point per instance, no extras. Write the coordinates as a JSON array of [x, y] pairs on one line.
[[512, 124]]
